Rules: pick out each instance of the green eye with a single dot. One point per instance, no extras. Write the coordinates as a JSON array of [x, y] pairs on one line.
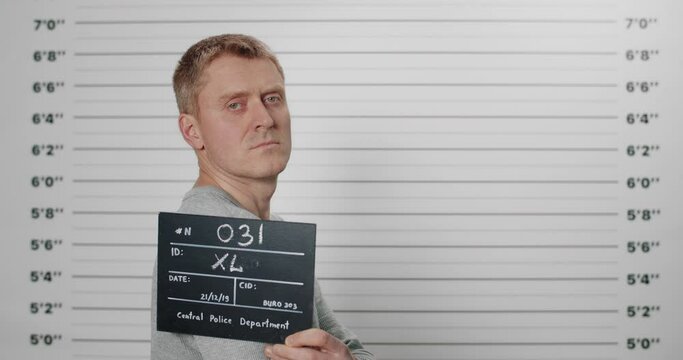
[[234, 106]]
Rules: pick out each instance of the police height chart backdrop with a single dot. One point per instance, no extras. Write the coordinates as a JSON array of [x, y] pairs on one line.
[[489, 179]]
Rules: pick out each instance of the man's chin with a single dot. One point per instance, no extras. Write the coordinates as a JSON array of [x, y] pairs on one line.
[[268, 172]]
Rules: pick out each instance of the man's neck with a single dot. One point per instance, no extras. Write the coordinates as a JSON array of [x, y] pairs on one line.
[[253, 196]]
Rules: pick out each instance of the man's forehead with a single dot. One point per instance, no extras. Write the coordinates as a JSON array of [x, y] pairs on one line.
[[229, 73], [235, 66]]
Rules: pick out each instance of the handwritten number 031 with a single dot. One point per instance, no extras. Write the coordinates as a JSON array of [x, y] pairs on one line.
[[225, 233]]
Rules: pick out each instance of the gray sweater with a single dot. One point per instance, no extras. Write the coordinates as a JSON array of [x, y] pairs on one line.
[[209, 200]]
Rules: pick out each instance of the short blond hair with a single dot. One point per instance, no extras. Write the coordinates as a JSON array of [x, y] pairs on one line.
[[187, 78]]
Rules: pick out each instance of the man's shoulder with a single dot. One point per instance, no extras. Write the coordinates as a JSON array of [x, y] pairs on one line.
[[211, 201]]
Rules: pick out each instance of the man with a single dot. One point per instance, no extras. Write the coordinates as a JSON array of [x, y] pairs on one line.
[[233, 113]]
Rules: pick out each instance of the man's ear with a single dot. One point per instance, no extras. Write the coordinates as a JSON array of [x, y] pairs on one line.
[[189, 127]]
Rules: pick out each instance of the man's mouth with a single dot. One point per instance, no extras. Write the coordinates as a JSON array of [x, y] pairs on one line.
[[265, 144]]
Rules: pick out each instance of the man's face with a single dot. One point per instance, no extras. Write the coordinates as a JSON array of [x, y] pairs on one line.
[[243, 118]]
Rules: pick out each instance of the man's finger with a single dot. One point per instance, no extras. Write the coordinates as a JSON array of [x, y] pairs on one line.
[[283, 352], [314, 338]]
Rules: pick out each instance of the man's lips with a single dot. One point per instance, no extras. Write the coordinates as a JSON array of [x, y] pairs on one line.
[[265, 143]]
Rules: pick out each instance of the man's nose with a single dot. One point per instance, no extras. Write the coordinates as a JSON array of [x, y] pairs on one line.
[[260, 117]]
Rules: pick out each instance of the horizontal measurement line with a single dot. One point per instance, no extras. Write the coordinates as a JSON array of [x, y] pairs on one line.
[[143, 181], [454, 230], [108, 324], [599, 149], [371, 100], [128, 53], [473, 116], [342, 100], [94, 212], [110, 340], [472, 295], [450, 52], [596, 182], [404, 165], [455, 181], [541, 246], [606, 343], [387, 67], [109, 292], [553, 230], [485, 311], [374, 35], [394, 197], [431, 294], [98, 212], [510, 149], [116, 261], [473, 246], [108, 308], [142, 197], [399, 100], [114, 228], [112, 117], [571, 85], [461, 116], [242, 21], [91, 276], [471, 279], [610, 85], [386, 132], [403, 311], [568, 343], [358, 4], [131, 148], [352, 133], [559, 327], [110, 85], [453, 213], [409, 197], [115, 244], [514, 294], [374, 52], [401, 262], [143, 357]]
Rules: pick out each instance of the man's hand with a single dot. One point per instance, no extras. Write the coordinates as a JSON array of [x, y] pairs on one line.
[[311, 344]]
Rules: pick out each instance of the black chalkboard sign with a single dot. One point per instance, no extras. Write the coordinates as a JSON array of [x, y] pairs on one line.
[[234, 278]]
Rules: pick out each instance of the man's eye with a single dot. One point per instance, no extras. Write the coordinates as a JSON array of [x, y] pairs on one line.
[[234, 106], [272, 99]]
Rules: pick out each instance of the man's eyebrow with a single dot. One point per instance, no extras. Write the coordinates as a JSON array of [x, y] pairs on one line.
[[232, 94], [237, 93], [276, 88]]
